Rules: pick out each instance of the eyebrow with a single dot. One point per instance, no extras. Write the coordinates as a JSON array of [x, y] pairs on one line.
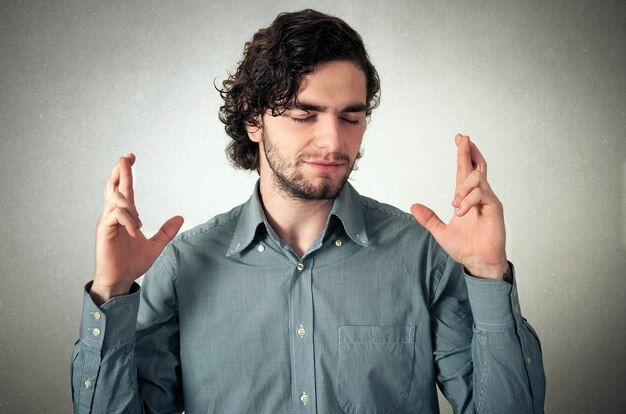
[[358, 107]]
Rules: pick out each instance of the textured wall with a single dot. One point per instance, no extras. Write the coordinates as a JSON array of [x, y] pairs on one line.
[[540, 87]]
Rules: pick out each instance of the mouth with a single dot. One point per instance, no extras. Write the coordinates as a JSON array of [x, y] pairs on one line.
[[325, 165]]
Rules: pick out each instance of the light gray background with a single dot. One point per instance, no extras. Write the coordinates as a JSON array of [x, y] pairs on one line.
[[538, 85]]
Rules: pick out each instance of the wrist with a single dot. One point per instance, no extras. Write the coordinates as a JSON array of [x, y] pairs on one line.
[[494, 272], [103, 293]]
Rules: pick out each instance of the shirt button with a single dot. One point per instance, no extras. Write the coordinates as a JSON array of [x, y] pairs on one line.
[[517, 308], [261, 248], [528, 360], [97, 315], [87, 383], [514, 292], [301, 331], [338, 243], [95, 332], [304, 399], [300, 266]]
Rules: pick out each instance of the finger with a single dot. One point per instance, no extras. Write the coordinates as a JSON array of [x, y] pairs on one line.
[[126, 179], [474, 198], [478, 161], [428, 219], [118, 200], [464, 158], [112, 182], [114, 178], [120, 217], [462, 190], [476, 181], [167, 232]]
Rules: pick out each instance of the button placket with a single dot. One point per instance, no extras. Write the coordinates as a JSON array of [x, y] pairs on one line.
[[303, 357]]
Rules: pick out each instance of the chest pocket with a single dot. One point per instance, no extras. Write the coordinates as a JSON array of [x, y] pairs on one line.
[[375, 367]]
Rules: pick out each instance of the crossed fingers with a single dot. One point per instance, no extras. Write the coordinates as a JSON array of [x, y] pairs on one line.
[[472, 188], [121, 179], [120, 203], [469, 158]]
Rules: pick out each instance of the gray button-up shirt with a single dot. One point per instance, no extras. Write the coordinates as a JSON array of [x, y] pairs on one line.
[[375, 314]]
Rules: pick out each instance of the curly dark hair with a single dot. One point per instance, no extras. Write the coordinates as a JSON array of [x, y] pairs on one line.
[[273, 64]]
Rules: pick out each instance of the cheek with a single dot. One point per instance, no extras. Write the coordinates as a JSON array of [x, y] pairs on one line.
[[354, 140]]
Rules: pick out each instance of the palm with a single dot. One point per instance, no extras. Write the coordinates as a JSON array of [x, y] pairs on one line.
[[123, 256], [478, 237]]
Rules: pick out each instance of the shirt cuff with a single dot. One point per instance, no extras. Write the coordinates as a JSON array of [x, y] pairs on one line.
[[113, 323], [494, 302]]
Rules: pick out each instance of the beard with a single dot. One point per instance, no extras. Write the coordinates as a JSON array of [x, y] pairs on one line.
[[289, 176]]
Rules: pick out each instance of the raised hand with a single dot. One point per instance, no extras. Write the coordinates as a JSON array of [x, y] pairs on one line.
[[475, 235], [123, 253]]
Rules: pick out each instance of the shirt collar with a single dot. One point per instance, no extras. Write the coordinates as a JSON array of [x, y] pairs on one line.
[[250, 218], [346, 207], [349, 210]]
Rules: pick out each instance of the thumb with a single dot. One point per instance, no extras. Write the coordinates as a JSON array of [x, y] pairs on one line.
[[167, 232], [428, 219]]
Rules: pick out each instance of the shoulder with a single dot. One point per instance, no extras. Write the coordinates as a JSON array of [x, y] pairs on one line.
[[397, 233], [376, 208], [195, 247], [220, 224], [389, 226], [381, 215], [214, 236]]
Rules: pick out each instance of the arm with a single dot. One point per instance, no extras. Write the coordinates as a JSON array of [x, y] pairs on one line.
[[104, 378], [501, 371], [104, 367], [132, 365], [504, 342], [487, 358]]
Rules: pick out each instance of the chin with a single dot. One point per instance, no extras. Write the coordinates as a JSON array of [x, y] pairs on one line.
[[309, 191]]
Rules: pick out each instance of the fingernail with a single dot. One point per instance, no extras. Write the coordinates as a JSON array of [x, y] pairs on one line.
[[456, 200], [139, 223], [458, 211]]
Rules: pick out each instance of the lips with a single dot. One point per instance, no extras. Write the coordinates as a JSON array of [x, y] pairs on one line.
[[327, 163], [326, 166]]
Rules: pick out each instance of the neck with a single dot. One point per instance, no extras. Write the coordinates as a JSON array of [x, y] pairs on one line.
[[297, 222]]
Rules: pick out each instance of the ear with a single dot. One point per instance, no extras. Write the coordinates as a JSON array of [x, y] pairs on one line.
[[255, 131]]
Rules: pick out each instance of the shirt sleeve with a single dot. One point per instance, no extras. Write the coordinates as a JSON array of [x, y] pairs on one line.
[[487, 356], [127, 358], [104, 378]]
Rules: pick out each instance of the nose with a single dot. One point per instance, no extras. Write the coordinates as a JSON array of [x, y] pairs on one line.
[[329, 135]]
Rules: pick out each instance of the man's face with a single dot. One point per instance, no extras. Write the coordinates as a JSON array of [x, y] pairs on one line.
[[309, 151]]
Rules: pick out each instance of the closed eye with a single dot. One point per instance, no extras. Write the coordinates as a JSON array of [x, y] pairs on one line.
[[351, 121], [304, 120]]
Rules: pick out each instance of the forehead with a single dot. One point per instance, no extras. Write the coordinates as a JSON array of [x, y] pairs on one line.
[[334, 83]]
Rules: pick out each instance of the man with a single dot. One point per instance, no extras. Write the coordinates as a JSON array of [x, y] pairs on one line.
[[309, 297]]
